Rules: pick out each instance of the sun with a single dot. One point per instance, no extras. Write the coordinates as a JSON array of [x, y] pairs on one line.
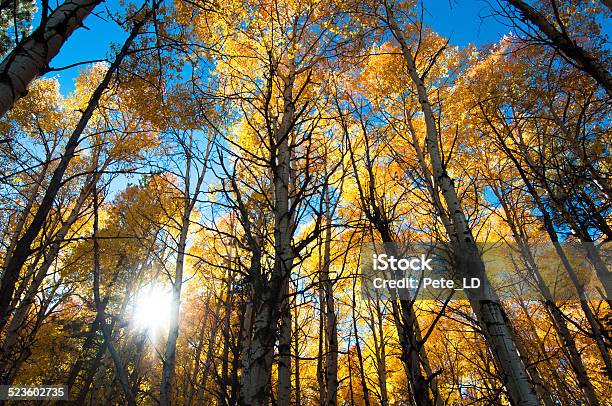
[[152, 308]]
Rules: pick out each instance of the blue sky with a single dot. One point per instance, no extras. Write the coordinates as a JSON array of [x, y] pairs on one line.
[[464, 21], [461, 20]]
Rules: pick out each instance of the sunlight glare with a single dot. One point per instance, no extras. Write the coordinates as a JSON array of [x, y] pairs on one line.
[[152, 307]]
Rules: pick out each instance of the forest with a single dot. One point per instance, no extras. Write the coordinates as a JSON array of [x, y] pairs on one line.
[[188, 224]]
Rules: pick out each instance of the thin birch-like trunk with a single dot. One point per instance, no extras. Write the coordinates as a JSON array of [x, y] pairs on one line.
[[547, 221], [296, 351], [24, 305], [192, 381], [177, 285], [331, 330], [31, 57], [560, 40], [413, 354], [364, 382], [488, 310], [189, 200], [557, 316], [23, 248], [256, 377]]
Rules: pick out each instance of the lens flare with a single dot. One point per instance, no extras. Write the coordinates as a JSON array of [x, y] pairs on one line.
[[152, 308]]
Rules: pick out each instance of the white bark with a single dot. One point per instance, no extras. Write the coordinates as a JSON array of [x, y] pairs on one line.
[[413, 354], [31, 57], [106, 333], [271, 298], [283, 261], [557, 316], [23, 249], [583, 59], [256, 375], [488, 310], [598, 334]]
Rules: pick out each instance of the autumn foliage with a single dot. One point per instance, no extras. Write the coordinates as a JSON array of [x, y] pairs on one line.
[[186, 226]]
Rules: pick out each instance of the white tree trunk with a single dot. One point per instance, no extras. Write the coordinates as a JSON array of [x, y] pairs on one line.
[[255, 380], [31, 57], [22, 249], [557, 316], [488, 310], [283, 261], [271, 298], [561, 41]]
